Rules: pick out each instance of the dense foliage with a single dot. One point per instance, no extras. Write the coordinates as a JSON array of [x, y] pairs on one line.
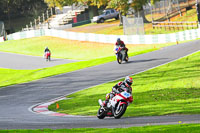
[[11, 10], [121, 5], [16, 8]]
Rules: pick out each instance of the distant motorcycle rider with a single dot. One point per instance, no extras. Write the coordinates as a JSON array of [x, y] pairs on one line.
[[121, 44], [47, 52], [122, 85]]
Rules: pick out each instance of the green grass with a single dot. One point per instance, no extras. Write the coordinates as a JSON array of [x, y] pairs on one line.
[[173, 88], [181, 128], [60, 48]]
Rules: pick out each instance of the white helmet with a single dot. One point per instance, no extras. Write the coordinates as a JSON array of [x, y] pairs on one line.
[[128, 81]]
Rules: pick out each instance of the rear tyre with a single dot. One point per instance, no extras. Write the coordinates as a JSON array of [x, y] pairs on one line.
[[48, 58], [118, 113], [101, 113], [117, 17], [126, 59]]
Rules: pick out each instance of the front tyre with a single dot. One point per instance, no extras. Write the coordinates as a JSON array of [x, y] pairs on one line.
[[120, 111], [119, 58], [101, 20], [101, 113]]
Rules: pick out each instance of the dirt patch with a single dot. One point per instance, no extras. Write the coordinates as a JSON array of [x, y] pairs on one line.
[[92, 28], [96, 27]]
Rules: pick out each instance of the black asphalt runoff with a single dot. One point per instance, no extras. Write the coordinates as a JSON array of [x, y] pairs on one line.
[[16, 100]]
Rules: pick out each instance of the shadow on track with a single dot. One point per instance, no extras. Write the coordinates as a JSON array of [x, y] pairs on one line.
[[139, 61]]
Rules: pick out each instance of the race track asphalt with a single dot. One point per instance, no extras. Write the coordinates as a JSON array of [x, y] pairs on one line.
[[22, 62], [16, 100]]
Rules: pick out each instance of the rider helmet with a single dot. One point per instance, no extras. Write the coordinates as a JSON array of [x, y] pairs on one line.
[[128, 81], [118, 40]]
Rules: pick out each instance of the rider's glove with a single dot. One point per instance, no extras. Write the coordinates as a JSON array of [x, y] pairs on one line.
[[117, 91]]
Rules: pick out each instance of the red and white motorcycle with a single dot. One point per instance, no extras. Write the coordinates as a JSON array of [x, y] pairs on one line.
[[116, 106], [47, 56]]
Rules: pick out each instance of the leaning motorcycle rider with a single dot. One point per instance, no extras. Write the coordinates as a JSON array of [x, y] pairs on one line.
[[122, 85]]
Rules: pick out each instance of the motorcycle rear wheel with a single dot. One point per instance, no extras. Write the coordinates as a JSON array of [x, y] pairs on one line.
[[126, 59], [118, 113], [101, 113]]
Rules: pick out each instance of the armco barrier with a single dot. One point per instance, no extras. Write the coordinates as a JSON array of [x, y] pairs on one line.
[[101, 38]]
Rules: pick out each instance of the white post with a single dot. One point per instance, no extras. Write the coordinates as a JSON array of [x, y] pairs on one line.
[[27, 27], [51, 11], [47, 14], [35, 23], [39, 19], [31, 24], [43, 17]]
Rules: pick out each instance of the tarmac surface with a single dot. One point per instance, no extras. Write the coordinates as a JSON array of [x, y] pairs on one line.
[[22, 62], [16, 101]]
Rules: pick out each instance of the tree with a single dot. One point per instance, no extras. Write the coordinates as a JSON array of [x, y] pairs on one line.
[[12, 9], [120, 5], [60, 3], [137, 5]]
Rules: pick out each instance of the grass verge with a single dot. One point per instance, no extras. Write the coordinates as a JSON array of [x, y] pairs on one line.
[[62, 48], [181, 128], [173, 88]]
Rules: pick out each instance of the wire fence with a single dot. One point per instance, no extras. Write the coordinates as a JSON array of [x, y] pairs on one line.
[[165, 9], [133, 26]]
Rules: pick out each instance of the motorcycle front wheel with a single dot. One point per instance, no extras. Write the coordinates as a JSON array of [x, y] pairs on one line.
[[101, 113], [120, 111], [119, 58]]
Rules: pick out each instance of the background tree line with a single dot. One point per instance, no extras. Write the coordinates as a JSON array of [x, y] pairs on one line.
[[17, 13]]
